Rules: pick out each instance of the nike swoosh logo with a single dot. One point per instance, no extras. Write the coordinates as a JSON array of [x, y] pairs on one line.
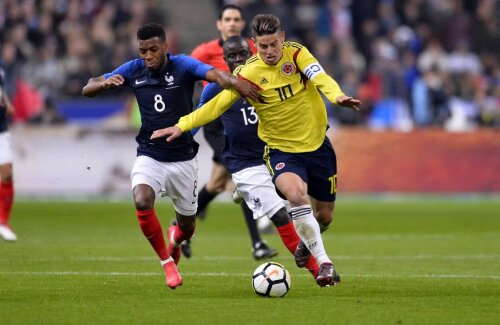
[[273, 272], [137, 82]]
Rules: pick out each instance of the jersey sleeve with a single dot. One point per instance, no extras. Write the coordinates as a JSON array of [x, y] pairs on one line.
[[210, 111], [209, 92], [125, 70], [197, 68], [311, 68]]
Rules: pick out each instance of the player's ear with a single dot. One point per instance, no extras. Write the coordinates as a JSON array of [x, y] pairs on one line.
[[282, 36], [218, 24]]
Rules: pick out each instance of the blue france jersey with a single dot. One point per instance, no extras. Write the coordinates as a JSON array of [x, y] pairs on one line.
[[3, 107], [164, 97], [242, 148]]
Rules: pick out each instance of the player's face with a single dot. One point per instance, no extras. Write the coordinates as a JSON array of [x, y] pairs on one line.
[[236, 54], [270, 47], [230, 24], [153, 52]]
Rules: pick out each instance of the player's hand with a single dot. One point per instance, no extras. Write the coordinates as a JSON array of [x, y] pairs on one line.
[[349, 102], [113, 82], [172, 132], [246, 89]]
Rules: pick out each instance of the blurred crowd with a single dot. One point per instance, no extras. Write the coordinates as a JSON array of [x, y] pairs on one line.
[[414, 63]]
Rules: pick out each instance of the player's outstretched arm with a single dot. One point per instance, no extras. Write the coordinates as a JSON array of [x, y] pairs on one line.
[[227, 80], [347, 101], [97, 85], [171, 133]]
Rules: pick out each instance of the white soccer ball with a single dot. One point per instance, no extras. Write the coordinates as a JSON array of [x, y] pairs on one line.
[[271, 279]]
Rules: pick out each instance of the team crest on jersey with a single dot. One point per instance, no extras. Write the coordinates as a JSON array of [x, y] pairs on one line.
[[279, 166], [287, 69], [169, 79]]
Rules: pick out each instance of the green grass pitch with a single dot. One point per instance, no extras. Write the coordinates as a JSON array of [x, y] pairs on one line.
[[420, 261]]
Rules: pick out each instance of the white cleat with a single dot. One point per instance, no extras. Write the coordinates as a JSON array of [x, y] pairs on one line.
[[7, 234]]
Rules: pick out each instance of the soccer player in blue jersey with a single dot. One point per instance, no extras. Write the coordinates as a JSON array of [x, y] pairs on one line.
[[243, 151], [6, 158], [163, 85], [293, 124]]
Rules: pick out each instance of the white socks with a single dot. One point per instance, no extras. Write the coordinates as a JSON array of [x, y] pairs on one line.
[[308, 230], [168, 260]]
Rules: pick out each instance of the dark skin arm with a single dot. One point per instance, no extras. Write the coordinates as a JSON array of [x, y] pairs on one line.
[[227, 80], [97, 85]]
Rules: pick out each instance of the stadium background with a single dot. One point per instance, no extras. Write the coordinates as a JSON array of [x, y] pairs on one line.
[[428, 72]]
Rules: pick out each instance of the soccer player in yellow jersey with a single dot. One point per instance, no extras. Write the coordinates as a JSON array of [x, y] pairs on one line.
[[293, 124]]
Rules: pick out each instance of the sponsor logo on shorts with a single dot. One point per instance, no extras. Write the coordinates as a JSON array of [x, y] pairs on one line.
[[287, 69], [279, 166]]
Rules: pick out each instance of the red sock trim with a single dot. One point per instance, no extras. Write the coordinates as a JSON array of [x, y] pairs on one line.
[[6, 201], [144, 212], [289, 236], [182, 235]]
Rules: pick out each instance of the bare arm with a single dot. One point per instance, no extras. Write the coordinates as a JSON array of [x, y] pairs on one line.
[[97, 85], [227, 80]]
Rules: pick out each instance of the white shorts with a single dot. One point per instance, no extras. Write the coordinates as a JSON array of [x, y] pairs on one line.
[[256, 187], [177, 180], [6, 156]]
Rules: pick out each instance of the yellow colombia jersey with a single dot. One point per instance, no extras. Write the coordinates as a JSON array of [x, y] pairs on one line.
[[292, 114]]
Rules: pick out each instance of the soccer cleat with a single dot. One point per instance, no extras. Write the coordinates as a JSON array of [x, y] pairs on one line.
[[261, 251], [186, 248], [185, 245], [301, 254], [172, 250], [6, 233], [172, 276], [327, 275]]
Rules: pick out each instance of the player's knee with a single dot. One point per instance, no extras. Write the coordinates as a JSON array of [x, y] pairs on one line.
[[7, 178], [143, 201], [296, 196], [144, 197], [281, 218], [324, 216]]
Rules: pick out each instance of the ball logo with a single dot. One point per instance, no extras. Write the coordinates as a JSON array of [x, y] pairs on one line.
[[280, 165], [287, 69]]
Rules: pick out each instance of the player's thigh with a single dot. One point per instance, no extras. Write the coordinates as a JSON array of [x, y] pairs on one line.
[[219, 176], [289, 174], [322, 173], [257, 189], [181, 185], [6, 154], [148, 171]]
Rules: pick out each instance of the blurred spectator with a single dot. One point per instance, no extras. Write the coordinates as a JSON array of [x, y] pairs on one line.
[[53, 47], [439, 58]]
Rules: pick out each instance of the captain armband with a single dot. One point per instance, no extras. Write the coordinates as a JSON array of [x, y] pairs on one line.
[[312, 70]]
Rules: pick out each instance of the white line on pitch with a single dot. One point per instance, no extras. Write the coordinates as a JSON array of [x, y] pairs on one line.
[[242, 258], [222, 274]]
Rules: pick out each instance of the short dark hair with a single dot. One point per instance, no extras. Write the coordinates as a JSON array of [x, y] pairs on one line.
[[236, 39], [265, 25], [151, 30], [226, 7]]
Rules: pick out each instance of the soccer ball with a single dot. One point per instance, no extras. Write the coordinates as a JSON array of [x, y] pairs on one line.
[[271, 280]]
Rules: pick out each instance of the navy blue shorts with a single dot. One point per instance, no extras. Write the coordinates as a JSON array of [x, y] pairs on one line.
[[317, 168]]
